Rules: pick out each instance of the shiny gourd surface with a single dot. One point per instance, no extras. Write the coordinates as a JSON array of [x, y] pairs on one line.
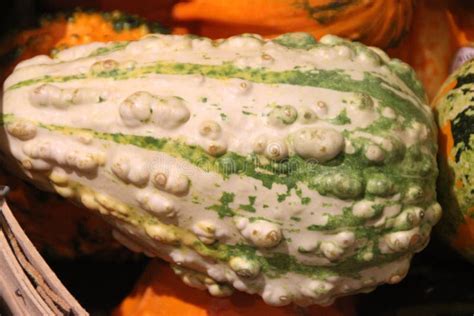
[[273, 172]]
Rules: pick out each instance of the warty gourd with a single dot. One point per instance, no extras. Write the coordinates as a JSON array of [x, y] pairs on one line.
[[296, 169]]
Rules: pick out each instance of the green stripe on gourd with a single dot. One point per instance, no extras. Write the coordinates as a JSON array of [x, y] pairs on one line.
[[306, 41], [109, 49], [334, 79], [347, 182]]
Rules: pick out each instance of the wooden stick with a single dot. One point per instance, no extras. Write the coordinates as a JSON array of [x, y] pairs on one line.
[[27, 285]]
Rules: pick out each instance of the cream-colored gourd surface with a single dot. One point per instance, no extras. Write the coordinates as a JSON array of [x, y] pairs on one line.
[[295, 169]]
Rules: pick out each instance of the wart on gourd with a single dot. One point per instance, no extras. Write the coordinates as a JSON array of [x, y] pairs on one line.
[[401, 241], [205, 230], [22, 129], [380, 185], [130, 170], [261, 233], [210, 129], [374, 153], [282, 115], [245, 267], [409, 218], [414, 194], [276, 150], [161, 233], [142, 108], [364, 209], [170, 180], [156, 204], [82, 158], [202, 281], [51, 95], [318, 144]]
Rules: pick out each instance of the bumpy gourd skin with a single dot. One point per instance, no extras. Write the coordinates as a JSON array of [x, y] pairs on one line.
[[455, 108], [55, 227], [295, 169]]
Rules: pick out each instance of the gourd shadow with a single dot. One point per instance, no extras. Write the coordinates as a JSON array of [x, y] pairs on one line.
[[452, 216], [160, 290]]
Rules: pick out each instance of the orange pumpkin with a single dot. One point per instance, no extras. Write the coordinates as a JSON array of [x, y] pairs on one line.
[[66, 30], [379, 23], [439, 29], [159, 292], [54, 225]]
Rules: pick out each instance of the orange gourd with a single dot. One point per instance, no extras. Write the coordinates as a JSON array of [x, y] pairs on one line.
[[65, 30], [379, 23], [439, 29], [159, 292]]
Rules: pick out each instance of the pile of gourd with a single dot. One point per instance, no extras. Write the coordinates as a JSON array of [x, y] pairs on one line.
[[425, 34]]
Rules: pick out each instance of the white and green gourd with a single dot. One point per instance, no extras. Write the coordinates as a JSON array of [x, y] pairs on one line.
[[295, 169]]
